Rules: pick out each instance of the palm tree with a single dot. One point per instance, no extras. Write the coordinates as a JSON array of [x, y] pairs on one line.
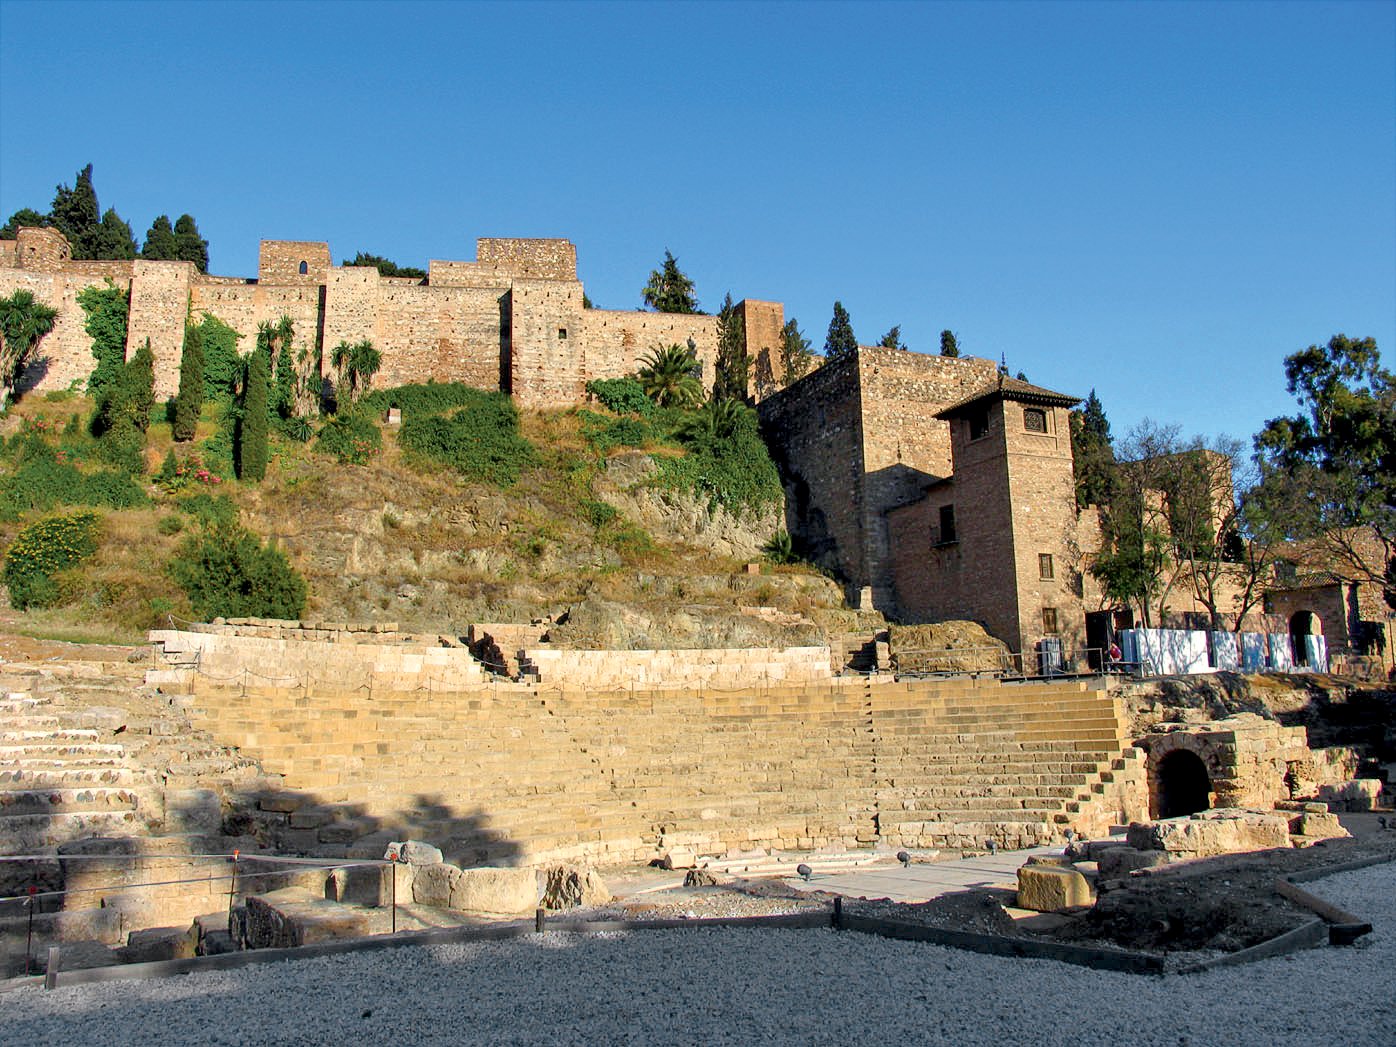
[[668, 376], [356, 365], [23, 321], [717, 420]]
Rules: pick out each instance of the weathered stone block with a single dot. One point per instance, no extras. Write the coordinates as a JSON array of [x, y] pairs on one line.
[[569, 885], [1119, 860], [494, 890], [161, 943], [415, 852], [1322, 826], [431, 884], [1051, 888]]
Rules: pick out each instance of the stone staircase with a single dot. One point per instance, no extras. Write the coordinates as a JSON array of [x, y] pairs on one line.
[[512, 773]]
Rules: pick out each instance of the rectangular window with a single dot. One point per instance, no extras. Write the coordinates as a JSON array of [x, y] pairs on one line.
[[1049, 620], [947, 525], [979, 424], [1044, 566], [561, 333], [1034, 420]]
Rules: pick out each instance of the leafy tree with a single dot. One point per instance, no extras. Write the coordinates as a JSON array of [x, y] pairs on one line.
[[25, 216], [948, 345], [189, 402], [107, 311], [669, 290], [621, 395], [669, 378], [1093, 453], [160, 243], [1339, 453], [795, 357], [733, 364], [76, 215], [386, 267], [23, 322], [125, 404], [252, 450], [189, 245], [356, 365], [893, 339], [840, 340]]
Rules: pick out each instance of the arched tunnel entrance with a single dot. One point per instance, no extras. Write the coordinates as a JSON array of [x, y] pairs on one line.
[[1181, 785]]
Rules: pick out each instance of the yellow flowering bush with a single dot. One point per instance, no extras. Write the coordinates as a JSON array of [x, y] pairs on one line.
[[43, 549]]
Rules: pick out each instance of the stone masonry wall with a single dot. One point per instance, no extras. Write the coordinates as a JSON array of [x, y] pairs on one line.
[[763, 322], [280, 261], [159, 306], [538, 259], [815, 430], [617, 341]]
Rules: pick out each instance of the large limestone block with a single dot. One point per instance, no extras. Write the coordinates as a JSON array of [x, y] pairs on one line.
[[493, 890], [1119, 860], [294, 916], [1222, 831], [1358, 795], [1052, 888], [431, 884]]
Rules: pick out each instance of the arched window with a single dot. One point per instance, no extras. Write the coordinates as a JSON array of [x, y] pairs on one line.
[[305, 268], [1181, 785]]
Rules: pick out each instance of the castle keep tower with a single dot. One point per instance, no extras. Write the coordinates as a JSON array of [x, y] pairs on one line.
[[994, 542]]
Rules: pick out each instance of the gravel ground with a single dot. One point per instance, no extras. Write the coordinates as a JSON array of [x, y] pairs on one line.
[[740, 987]]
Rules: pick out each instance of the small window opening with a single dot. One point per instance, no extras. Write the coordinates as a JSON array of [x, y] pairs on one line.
[[947, 525], [561, 333], [979, 424], [1049, 621], [1034, 420], [305, 268], [1044, 566]]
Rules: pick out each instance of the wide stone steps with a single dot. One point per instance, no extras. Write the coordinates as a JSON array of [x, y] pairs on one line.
[[67, 800]]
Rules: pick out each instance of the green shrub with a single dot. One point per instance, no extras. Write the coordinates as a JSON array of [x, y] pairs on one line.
[[598, 513], [605, 434], [622, 395], [228, 571], [47, 477], [352, 438], [430, 398], [481, 442], [43, 549], [727, 461], [211, 511], [170, 525], [780, 548], [112, 488], [295, 428]]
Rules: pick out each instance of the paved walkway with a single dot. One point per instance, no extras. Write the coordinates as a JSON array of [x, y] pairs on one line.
[[922, 882]]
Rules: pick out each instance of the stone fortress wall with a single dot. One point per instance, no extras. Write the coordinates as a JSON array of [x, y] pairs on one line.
[[512, 320]]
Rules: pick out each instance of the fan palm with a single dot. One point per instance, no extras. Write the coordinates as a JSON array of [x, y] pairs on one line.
[[23, 321], [668, 376]]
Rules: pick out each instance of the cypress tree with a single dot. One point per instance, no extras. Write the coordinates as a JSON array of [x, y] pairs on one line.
[[795, 357], [252, 431], [189, 245], [76, 215], [140, 383], [732, 365], [190, 400], [160, 243], [893, 339], [840, 340], [948, 345]]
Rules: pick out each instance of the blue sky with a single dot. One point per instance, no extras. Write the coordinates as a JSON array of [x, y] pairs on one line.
[[1159, 200]]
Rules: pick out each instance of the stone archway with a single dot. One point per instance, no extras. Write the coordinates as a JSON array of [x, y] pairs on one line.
[[1302, 625], [1181, 784]]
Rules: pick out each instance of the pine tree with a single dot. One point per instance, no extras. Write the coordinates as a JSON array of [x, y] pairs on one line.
[[252, 430], [75, 214], [733, 364], [160, 244], [1093, 453], [113, 239], [840, 340], [669, 290], [948, 345], [795, 357], [190, 400], [189, 245], [893, 339]]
